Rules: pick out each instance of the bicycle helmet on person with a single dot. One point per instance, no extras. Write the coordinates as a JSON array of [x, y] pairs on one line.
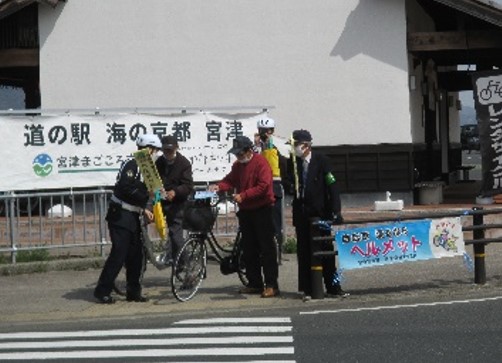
[[151, 140], [265, 123]]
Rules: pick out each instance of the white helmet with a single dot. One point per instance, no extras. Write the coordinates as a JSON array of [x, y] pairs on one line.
[[149, 140], [266, 123]]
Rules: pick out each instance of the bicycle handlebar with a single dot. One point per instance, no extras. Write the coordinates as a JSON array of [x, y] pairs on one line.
[[213, 198]]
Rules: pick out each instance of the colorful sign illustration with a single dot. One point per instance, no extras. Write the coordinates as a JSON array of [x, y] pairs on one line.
[[399, 242]]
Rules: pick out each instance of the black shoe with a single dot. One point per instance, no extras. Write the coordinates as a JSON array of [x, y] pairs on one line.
[[336, 291], [105, 299], [136, 298]]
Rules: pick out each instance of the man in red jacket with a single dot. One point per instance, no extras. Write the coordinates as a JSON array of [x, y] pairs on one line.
[[251, 177]]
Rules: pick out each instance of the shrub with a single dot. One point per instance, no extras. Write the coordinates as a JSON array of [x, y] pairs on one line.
[[289, 245], [33, 255]]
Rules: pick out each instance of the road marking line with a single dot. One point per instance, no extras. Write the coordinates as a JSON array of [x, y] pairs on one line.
[[226, 351], [231, 340], [146, 332], [234, 321], [400, 306]]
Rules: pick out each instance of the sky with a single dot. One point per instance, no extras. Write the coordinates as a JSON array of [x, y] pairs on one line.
[[11, 98], [466, 98]]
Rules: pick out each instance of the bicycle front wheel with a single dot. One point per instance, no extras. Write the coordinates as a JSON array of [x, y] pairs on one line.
[[189, 269]]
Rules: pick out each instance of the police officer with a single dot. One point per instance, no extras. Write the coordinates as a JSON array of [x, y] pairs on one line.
[[127, 204], [316, 196], [264, 144]]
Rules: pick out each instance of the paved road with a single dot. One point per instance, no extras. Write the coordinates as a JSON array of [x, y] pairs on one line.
[[67, 295], [446, 330]]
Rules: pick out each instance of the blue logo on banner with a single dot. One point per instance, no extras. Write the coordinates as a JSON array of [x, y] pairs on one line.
[[42, 165]]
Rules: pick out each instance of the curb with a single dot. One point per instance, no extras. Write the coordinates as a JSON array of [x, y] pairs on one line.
[[77, 264]]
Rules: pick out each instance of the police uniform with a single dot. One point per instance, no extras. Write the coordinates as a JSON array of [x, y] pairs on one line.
[[130, 197]]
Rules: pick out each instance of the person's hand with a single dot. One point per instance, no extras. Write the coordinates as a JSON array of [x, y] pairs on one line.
[[237, 198], [170, 195], [148, 215], [163, 193], [214, 188]]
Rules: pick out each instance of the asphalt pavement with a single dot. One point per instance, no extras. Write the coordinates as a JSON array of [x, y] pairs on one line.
[[63, 290], [67, 294]]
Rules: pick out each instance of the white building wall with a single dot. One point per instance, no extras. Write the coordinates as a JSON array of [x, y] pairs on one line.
[[337, 68]]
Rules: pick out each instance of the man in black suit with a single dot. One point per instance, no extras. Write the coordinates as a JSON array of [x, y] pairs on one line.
[[316, 196]]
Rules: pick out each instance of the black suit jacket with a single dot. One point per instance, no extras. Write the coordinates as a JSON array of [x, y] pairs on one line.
[[320, 198]]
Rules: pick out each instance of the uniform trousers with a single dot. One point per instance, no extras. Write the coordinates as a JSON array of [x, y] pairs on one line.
[[277, 210], [127, 250]]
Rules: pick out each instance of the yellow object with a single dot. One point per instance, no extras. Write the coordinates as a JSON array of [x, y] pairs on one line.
[[272, 157], [148, 170], [160, 220]]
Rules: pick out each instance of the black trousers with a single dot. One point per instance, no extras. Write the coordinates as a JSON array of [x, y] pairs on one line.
[[277, 210], [258, 247], [304, 255], [127, 250]]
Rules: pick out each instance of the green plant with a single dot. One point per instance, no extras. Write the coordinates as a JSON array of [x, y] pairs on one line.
[[3, 259], [33, 255], [290, 245]]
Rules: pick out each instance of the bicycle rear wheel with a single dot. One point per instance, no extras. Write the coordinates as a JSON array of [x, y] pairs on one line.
[[241, 266], [188, 269]]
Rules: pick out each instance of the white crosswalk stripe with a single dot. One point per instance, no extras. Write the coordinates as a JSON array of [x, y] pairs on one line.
[[206, 340]]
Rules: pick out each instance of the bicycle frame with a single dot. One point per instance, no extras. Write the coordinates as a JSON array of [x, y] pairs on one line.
[[148, 246]]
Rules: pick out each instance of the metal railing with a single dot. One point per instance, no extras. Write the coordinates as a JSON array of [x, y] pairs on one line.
[[53, 220], [478, 229], [70, 220]]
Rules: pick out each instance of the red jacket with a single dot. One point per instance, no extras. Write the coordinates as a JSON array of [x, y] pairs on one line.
[[252, 180]]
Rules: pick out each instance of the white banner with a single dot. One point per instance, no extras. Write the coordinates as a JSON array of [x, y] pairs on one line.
[[71, 151]]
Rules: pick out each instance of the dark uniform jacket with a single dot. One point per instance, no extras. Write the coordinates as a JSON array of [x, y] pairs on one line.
[[320, 198], [129, 189], [176, 176]]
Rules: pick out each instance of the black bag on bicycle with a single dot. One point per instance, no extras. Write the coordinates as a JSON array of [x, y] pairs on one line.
[[198, 216], [229, 264]]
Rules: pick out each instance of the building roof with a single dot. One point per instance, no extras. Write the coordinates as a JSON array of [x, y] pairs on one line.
[[8, 7], [487, 10]]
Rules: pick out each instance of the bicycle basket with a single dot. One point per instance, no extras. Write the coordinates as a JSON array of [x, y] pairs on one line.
[[198, 216]]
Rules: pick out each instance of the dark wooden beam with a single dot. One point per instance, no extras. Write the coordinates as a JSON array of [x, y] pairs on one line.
[[19, 58], [459, 40], [455, 81]]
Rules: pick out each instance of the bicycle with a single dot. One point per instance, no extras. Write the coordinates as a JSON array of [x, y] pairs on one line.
[[190, 264]]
